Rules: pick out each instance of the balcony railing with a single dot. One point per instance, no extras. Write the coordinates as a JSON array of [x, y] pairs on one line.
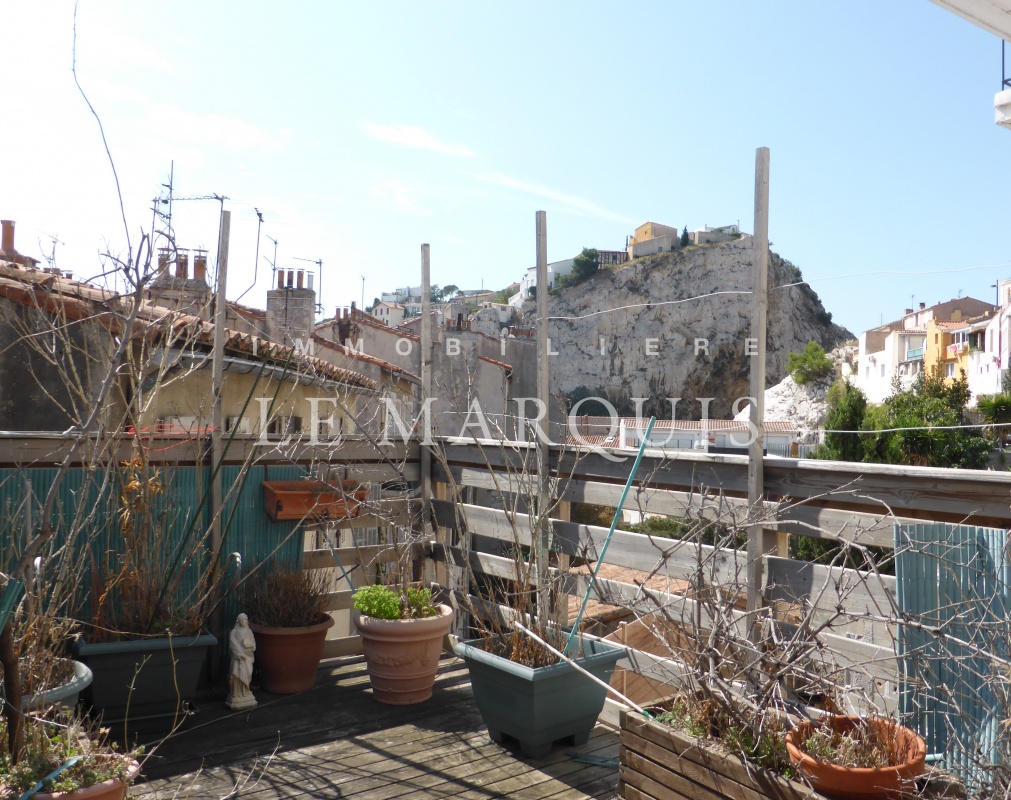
[[914, 354]]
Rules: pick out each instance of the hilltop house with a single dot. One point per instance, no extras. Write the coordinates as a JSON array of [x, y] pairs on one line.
[[650, 238]]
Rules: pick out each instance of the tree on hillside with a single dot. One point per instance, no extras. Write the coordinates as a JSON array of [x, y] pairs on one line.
[[810, 365], [685, 238], [585, 264]]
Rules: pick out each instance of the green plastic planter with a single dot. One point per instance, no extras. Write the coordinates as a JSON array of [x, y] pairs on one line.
[[537, 707], [163, 672]]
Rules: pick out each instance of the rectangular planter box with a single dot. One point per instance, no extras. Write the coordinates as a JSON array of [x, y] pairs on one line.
[[539, 706], [660, 763], [311, 499], [164, 673]]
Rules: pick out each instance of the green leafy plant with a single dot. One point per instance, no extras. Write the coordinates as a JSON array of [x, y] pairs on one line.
[[810, 365], [385, 602]]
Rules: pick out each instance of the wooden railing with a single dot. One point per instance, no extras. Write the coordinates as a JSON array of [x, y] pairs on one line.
[[859, 503]]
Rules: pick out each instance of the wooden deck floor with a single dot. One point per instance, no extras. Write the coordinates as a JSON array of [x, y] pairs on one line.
[[336, 741]]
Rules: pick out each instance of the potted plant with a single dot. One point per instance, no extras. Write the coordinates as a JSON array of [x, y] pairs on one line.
[[524, 692], [402, 637], [857, 758], [144, 641], [62, 759], [287, 614]]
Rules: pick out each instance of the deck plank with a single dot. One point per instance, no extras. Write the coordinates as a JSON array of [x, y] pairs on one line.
[[336, 741]]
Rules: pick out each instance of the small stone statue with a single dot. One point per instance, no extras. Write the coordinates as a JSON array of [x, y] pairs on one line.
[[241, 646]]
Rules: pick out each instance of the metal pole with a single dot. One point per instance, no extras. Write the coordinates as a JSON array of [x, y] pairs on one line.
[[426, 377], [217, 378], [543, 537], [610, 533], [759, 309]]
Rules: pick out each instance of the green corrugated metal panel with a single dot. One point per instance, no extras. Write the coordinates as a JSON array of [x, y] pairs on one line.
[[956, 578], [181, 514]]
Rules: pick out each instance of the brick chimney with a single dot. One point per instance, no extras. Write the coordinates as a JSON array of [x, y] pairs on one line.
[[291, 308], [7, 240]]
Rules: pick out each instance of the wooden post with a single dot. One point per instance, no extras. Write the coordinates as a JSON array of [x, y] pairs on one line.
[[217, 421], [759, 305], [426, 379], [543, 537]]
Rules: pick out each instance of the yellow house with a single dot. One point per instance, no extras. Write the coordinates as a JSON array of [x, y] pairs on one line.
[[947, 348]]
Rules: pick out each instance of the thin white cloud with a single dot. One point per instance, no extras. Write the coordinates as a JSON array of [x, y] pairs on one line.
[[574, 202], [418, 138]]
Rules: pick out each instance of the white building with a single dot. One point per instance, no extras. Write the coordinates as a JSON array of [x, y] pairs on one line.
[[886, 353], [707, 235], [555, 270], [391, 313]]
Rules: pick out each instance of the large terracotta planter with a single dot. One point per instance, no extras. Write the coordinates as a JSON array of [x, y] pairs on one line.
[[289, 657], [537, 707], [402, 655], [853, 783], [112, 789]]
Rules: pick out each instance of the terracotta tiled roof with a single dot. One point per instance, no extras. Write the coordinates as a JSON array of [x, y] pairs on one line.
[[951, 326], [247, 311], [78, 300], [350, 353]]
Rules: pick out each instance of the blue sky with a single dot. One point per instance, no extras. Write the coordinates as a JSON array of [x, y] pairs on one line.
[[362, 130]]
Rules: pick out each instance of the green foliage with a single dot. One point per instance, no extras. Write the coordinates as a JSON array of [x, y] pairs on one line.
[[385, 602], [377, 601], [995, 409], [827, 551], [918, 426], [583, 266], [1005, 382], [502, 296], [810, 365], [591, 408], [847, 406], [685, 239], [442, 295]]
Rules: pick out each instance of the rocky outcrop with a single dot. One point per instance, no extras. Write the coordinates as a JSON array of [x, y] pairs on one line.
[[805, 405], [677, 325]]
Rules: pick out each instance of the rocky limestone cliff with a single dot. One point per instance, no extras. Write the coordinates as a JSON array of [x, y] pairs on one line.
[[805, 405], [649, 350]]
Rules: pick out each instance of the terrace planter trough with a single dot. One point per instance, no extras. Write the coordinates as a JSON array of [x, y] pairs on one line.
[[313, 499], [658, 761], [537, 707], [66, 694], [164, 673]]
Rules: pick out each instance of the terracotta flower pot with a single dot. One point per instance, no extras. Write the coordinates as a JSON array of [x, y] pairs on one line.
[[856, 783], [112, 789], [402, 655], [289, 657]]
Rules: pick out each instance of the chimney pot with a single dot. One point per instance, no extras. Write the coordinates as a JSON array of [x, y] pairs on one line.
[[311, 276], [164, 259], [291, 278], [908, 311], [280, 279], [300, 278], [200, 265], [7, 240], [183, 264]]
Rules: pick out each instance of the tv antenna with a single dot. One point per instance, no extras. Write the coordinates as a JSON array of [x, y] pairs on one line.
[[363, 292], [51, 257], [319, 283]]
